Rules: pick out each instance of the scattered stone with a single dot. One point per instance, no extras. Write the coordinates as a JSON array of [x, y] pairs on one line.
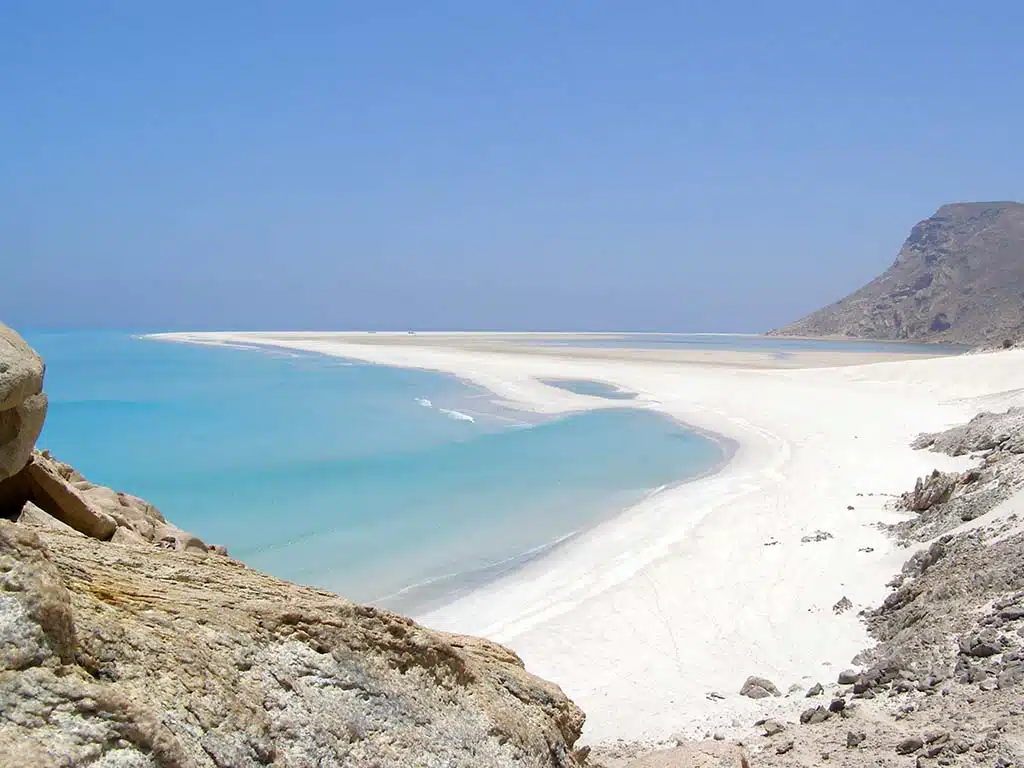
[[982, 644], [855, 738], [936, 737], [784, 747], [816, 536], [909, 745], [837, 705], [759, 688], [1011, 675], [714, 696], [772, 727], [719, 736], [842, 606], [849, 507], [815, 690], [815, 716], [848, 677], [866, 549]]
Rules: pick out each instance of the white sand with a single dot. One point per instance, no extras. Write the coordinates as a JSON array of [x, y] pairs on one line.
[[642, 617]]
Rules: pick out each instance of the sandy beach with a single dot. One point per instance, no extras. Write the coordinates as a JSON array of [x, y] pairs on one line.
[[644, 617]]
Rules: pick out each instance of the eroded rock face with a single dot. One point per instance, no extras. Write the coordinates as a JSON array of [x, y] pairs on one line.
[[22, 402], [956, 279], [130, 656]]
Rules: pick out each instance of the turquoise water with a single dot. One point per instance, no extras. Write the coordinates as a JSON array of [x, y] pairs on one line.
[[394, 486], [592, 388]]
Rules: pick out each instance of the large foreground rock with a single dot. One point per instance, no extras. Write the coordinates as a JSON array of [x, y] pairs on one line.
[[22, 403], [125, 656]]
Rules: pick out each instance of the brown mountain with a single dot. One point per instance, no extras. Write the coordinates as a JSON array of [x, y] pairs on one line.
[[959, 278]]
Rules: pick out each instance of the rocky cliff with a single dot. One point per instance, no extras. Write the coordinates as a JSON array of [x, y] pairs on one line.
[[128, 643], [959, 278]]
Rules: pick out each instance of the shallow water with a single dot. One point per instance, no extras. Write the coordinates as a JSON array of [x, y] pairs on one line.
[[388, 485], [592, 388], [748, 343]]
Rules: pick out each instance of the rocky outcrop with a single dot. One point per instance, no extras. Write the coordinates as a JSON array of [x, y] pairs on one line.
[[56, 489], [759, 688], [126, 642], [958, 278], [22, 402], [123, 656], [943, 500]]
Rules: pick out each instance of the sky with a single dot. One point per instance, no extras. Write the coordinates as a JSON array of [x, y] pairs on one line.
[[480, 165]]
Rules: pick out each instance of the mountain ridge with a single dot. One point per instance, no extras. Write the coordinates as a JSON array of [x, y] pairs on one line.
[[958, 278]]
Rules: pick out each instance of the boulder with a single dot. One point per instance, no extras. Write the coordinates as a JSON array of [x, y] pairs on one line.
[[33, 516], [48, 489], [909, 745], [127, 511], [982, 644], [22, 402], [772, 727], [848, 677], [815, 690], [855, 738], [814, 715], [759, 688], [172, 537]]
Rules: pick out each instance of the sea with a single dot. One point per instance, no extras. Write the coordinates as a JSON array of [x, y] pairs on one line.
[[400, 488]]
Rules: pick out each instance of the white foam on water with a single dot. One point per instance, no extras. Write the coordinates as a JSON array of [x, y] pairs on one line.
[[457, 415]]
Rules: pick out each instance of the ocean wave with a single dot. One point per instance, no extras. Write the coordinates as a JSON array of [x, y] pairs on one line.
[[424, 402], [457, 415]]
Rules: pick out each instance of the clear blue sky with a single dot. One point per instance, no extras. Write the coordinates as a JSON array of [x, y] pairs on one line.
[[535, 164]]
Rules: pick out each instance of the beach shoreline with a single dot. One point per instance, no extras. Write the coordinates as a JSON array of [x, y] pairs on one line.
[[686, 594]]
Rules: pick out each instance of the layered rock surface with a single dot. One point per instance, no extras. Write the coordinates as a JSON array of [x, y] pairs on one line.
[[123, 656]]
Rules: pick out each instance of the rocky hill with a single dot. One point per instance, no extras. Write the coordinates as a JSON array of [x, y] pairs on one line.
[[959, 278], [126, 642]]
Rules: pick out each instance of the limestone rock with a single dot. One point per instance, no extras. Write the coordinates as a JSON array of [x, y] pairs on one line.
[[22, 404], [36, 625], [759, 688], [172, 537], [51, 491], [33, 516], [127, 656]]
